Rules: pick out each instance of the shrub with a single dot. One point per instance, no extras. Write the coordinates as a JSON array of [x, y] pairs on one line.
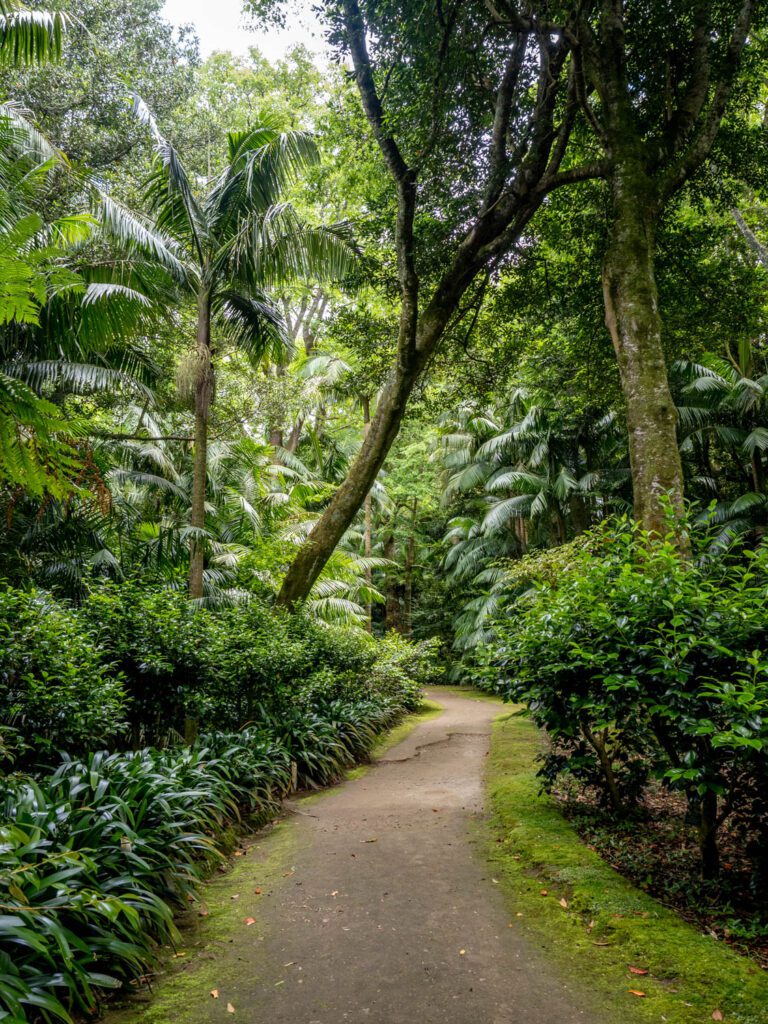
[[95, 856], [159, 642], [58, 688], [639, 660]]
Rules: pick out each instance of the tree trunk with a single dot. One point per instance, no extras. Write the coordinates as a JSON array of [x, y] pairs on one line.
[[368, 518], [599, 745], [581, 515], [710, 854], [632, 317], [392, 593], [410, 558], [347, 500], [203, 401]]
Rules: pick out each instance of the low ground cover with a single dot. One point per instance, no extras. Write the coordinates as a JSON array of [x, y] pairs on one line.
[[658, 850], [99, 849], [640, 958]]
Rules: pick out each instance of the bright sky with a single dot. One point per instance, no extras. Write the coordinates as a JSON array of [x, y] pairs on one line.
[[220, 25]]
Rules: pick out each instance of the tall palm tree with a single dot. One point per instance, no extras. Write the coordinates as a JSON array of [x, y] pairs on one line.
[[237, 238]]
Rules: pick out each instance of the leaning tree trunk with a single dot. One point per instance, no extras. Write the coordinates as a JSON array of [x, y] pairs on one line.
[[368, 522], [343, 507], [632, 317], [203, 400]]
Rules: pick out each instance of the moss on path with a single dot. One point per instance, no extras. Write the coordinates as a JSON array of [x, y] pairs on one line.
[[690, 975], [562, 956]]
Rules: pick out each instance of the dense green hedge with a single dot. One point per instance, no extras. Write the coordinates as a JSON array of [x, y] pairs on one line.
[[129, 665], [97, 850], [641, 662]]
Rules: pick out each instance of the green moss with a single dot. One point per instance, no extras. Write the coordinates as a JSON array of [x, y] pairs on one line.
[[535, 849], [209, 955]]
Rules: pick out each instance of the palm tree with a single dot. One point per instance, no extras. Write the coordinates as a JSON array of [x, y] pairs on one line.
[[29, 36], [526, 475], [723, 424], [63, 324], [236, 238]]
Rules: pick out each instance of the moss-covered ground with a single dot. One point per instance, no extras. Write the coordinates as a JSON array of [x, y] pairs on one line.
[[595, 923]]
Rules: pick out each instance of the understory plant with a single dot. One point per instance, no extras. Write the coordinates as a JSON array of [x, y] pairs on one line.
[[643, 661], [96, 856], [134, 663]]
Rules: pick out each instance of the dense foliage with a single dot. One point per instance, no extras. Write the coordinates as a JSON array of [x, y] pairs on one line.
[[644, 663], [277, 334], [99, 848]]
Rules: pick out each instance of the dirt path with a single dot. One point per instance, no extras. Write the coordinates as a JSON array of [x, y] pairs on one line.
[[388, 915]]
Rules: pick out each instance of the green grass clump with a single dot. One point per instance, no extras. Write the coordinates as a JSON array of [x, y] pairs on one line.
[[608, 925]]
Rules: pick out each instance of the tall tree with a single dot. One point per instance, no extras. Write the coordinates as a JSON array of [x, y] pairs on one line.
[[237, 239], [79, 101], [472, 125], [655, 81]]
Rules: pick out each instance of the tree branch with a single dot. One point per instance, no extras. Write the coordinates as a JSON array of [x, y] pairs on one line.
[[403, 175], [700, 146]]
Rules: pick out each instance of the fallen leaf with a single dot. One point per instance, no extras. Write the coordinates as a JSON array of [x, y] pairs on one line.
[[495, 881], [601, 943], [335, 892], [563, 903], [590, 926], [636, 992], [544, 892], [462, 952], [369, 840], [215, 993], [638, 970], [519, 913], [202, 913], [235, 897], [249, 920], [180, 953], [290, 963], [239, 853], [230, 1008], [257, 891], [717, 1015]]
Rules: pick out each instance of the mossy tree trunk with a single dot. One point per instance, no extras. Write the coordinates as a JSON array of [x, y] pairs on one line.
[[633, 319]]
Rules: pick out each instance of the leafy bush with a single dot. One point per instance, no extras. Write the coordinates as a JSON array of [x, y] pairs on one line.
[[235, 666], [159, 641], [96, 854], [94, 857], [58, 688], [639, 660]]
